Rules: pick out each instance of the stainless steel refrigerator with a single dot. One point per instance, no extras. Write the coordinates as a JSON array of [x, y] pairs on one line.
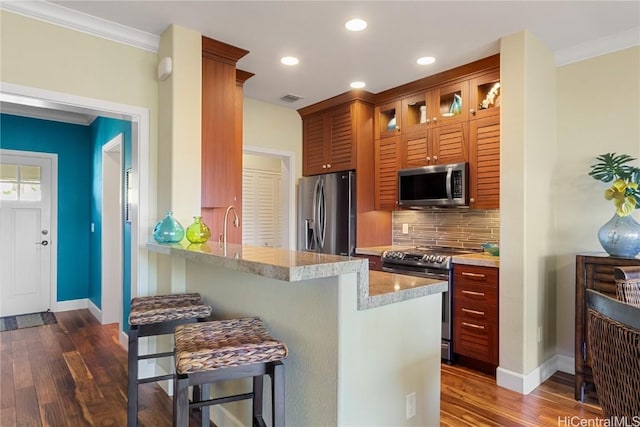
[[327, 213]]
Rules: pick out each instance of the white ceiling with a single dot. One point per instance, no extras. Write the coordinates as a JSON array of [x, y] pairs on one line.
[[455, 32]]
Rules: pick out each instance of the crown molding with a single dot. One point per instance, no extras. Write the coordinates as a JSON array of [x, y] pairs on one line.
[[602, 46], [78, 21]]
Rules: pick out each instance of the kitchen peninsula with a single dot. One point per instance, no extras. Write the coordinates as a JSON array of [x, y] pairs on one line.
[[359, 342]]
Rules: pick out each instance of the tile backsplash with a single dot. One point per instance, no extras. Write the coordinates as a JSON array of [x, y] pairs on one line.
[[458, 228]]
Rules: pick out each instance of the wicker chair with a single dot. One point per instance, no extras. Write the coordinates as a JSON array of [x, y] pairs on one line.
[[628, 284], [614, 346]]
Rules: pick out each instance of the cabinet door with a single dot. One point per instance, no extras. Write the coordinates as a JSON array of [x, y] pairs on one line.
[[484, 95], [417, 112], [221, 164], [484, 163], [340, 148], [313, 140], [450, 144], [387, 154], [452, 105], [388, 119], [414, 149]]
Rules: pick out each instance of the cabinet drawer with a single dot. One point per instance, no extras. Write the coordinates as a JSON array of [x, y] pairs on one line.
[[474, 313], [473, 274], [475, 293], [479, 344]]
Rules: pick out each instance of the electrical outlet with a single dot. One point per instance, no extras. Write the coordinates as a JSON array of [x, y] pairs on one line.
[[539, 333], [411, 405], [93, 227], [405, 228]]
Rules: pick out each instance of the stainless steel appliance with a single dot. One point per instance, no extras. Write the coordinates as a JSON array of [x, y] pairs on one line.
[[437, 185], [327, 213], [432, 263]]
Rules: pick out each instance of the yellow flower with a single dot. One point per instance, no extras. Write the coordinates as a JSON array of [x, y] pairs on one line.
[[624, 204]]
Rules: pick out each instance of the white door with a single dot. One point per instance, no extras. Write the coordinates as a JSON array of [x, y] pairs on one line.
[[25, 233]]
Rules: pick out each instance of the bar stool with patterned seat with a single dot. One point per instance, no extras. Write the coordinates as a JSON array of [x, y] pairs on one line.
[[151, 316], [223, 350]]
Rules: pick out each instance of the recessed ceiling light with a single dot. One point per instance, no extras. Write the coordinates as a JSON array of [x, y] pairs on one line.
[[426, 60], [289, 60], [357, 85], [356, 24]]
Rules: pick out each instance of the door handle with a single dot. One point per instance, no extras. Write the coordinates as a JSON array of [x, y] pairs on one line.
[[43, 243]]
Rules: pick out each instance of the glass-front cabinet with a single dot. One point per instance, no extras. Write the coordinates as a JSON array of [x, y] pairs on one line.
[[452, 103], [389, 119], [485, 95]]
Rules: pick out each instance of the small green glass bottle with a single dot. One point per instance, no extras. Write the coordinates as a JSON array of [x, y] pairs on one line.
[[198, 232]]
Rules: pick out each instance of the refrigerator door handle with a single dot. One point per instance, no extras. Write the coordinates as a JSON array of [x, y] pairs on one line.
[[316, 214], [322, 215]]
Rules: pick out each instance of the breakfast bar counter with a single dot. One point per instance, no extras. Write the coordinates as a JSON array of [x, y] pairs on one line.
[[359, 341]]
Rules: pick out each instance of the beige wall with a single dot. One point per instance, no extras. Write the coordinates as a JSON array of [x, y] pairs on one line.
[[273, 127], [598, 111]]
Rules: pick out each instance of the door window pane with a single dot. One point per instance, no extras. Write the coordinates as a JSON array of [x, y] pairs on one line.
[[20, 182], [8, 182]]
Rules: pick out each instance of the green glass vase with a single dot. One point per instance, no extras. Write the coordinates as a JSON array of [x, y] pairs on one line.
[[168, 230], [198, 232]]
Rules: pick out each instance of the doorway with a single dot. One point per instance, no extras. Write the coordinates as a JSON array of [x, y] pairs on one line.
[[140, 183], [287, 214], [112, 230], [28, 224]]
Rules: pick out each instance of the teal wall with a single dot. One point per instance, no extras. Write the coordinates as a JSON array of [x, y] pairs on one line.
[[104, 130], [71, 144]]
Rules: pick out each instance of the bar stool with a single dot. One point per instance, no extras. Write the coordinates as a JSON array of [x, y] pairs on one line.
[[222, 350], [157, 315]]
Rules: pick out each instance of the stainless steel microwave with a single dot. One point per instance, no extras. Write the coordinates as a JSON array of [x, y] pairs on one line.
[[437, 185]]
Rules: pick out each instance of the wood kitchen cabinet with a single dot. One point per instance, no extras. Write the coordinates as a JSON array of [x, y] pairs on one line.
[[484, 163], [387, 162], [593, 271], [328, 141], [388, 119], [484, 96], [440, 145], [221, 134], [475, 312]]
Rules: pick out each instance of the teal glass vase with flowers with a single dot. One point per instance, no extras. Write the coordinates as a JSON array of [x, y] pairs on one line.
[[620, 236]]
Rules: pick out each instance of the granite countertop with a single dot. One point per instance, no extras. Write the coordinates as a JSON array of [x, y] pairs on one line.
[[483, 259], [375, 288]]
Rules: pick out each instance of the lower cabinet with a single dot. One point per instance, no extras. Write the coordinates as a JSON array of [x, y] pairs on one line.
[[475, 312], [375, 262]]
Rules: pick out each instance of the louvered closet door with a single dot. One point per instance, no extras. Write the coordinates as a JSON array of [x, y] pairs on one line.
[[261, 214]]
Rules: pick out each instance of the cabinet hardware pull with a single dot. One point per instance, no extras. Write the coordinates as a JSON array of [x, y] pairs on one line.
[[480, 276], [479, 313], [435, 157], [472, 111], [475, 294], [435, 119], [428, 158], [473, 325], [329, 165]]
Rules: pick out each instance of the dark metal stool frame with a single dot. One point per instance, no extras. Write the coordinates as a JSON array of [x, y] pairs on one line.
[[164, 327], [204, 379]]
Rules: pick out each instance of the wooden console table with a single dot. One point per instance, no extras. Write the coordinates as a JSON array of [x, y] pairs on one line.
[[594, 270]]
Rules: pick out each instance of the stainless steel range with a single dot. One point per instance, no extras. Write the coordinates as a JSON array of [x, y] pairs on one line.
[[433, 263]]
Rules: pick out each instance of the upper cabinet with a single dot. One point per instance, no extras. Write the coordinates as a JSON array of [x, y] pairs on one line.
[[221, 134], [485, 95], [327, 141]]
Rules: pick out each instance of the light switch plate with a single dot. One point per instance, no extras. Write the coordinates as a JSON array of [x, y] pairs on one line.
[[405, 228]]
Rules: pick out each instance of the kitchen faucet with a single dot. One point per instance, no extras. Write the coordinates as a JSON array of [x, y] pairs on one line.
[[236, 223]]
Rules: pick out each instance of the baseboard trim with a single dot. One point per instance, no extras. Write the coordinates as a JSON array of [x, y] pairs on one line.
[[566, 364], [222, 417], [93, 309], [76, 304], [525, 384]]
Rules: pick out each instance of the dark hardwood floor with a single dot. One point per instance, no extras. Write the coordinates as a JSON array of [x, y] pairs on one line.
[[74, 374]]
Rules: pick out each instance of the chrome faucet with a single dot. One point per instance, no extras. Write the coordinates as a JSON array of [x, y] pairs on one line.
[[236, 223]]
